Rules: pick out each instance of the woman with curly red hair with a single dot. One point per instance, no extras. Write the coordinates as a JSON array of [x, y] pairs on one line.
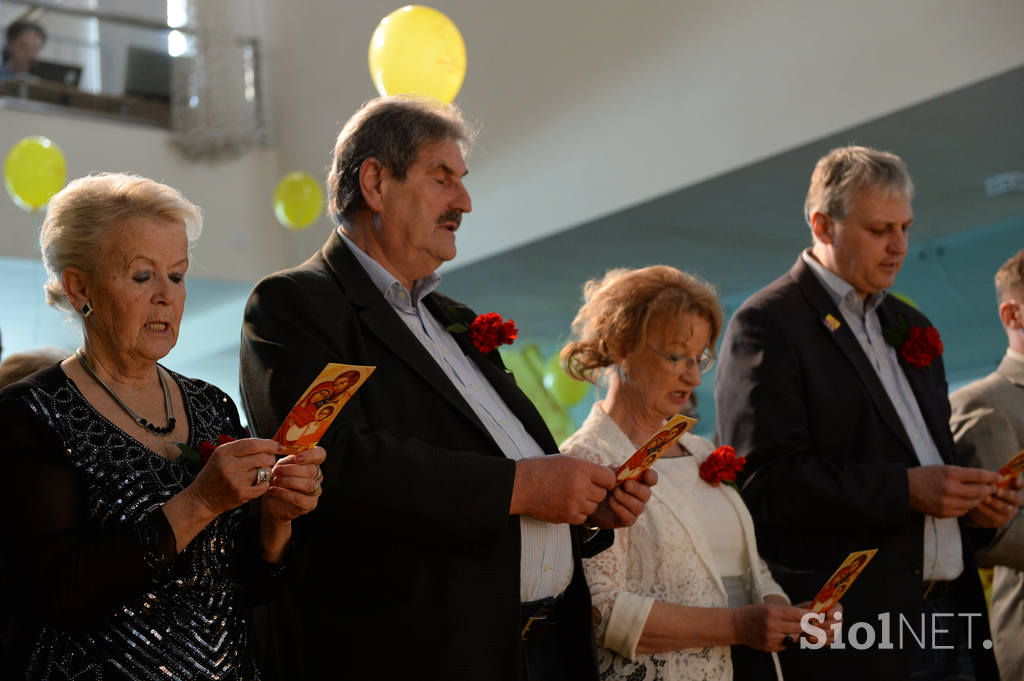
[[683, 593]]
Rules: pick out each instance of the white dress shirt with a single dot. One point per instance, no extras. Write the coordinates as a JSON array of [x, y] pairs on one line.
[[546, 564], [943, 555]]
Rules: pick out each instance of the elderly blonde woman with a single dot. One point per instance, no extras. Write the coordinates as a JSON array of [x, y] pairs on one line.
[[683, 593], [131, 561]]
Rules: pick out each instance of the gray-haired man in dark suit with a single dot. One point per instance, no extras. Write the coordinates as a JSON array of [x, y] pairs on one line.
[[447, 544], [846, 435]]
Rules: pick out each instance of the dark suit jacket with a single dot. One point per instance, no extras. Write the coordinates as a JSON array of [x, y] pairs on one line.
[[409, 567], [827, 459]]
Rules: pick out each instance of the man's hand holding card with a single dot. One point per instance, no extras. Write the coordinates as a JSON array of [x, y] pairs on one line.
[[628, 497], [1010, 470], [1000, 508]]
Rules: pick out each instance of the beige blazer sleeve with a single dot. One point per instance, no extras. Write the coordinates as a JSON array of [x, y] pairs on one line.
[[988, 428]]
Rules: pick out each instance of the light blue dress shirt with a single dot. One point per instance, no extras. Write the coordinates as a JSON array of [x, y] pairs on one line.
[[943, 555], [546, 564]]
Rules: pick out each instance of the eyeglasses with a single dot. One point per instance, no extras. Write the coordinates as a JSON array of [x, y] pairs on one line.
[[681, 365]]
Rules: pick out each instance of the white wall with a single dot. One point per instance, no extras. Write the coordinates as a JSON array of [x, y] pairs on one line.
[[242, 240]]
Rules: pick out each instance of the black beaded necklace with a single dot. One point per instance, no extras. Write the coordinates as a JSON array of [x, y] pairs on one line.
[[142, 422]]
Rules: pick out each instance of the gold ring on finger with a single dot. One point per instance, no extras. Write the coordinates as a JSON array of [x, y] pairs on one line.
[[319, 475], [315, 492]]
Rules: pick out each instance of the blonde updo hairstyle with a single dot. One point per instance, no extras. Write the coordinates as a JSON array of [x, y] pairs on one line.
[[79, 216], [619, 311]]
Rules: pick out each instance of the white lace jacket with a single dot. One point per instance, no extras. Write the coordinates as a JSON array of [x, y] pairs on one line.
[[664, 556]]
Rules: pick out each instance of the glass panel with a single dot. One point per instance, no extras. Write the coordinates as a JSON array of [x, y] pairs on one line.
[[151, 10], [106, 51]]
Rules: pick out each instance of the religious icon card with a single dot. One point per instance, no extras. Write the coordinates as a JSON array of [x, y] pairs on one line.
[[1011, 469], [312, 415], [841, 580], [645, 457]]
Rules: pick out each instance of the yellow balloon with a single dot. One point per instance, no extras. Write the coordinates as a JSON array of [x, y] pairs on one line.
[[566, 390], [417, 50], [33, 172], [298, 200]]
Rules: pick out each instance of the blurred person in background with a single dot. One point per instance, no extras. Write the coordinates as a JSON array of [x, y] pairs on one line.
[[22, 42], [22, 364]]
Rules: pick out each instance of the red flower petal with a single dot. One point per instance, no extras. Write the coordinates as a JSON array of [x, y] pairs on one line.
[[721, 464], [488, 331], [206, 448], [206, 451], [921, 346]]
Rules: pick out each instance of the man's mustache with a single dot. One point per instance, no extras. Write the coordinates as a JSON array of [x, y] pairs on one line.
[[451, 216]]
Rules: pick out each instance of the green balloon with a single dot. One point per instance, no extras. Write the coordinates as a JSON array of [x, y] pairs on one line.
[[566, 390]]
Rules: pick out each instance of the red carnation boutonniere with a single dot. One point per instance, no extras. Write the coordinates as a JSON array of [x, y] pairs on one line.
[[722, 465], [919, 345], [199, 459], [487, 332]]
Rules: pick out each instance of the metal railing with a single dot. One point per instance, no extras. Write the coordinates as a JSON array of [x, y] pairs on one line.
[[114, 51], [112, 17]]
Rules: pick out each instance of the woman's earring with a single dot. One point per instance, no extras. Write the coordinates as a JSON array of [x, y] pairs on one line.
[[86, 310]]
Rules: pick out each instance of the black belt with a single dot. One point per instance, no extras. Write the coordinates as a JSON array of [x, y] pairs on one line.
[[539, 617], [936, 589]]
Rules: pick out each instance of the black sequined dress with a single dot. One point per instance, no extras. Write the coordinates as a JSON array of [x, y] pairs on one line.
[[92, 578]]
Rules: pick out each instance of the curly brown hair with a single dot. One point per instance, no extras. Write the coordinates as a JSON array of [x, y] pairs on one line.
[[619, 310]]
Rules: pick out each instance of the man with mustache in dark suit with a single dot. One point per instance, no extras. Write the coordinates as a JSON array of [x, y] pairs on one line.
[[449, 536]]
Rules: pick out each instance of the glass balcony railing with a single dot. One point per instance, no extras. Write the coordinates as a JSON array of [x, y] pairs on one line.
[[120, 57]]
